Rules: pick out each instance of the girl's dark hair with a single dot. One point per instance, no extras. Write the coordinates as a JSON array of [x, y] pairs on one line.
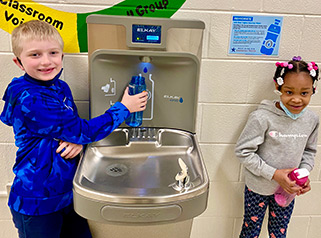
[[298, 67]]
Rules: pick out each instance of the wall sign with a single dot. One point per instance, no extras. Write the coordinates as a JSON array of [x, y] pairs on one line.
[[255, 35], [72, 26]]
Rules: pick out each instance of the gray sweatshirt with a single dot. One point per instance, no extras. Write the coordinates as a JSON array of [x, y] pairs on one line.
[[271, 140]]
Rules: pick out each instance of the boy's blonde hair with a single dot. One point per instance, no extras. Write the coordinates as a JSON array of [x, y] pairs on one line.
[[33, 30]]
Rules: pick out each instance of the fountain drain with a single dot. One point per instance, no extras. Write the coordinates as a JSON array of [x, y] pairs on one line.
[[116, 170]]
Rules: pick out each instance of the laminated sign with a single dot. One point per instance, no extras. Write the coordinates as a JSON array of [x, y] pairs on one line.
[[255, 35], [72, 26]]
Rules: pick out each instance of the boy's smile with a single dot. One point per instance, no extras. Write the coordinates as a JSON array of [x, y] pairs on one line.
[[41, 59], [296, 91]]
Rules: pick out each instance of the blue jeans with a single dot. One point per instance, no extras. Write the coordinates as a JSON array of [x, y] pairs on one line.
[[255, 206], [65, 223]]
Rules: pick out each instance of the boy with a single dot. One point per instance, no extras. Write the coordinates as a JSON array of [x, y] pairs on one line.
[[40, 108]]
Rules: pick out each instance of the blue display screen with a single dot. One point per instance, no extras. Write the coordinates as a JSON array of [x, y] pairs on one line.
[[146, 34]]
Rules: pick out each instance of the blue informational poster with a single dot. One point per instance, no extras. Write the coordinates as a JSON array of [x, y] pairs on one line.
[[255, 35]]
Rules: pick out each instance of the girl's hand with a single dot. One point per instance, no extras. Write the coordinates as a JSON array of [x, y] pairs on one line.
[[305, 188], [135, 103], [71, 150], [281, 176]]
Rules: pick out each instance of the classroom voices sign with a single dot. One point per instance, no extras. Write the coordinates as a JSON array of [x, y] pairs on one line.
[[72, 26]]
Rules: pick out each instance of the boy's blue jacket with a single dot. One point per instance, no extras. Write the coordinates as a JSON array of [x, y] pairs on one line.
[[42, 113]]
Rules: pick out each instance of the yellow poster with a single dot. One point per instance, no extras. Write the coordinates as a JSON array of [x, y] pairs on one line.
[[72, 26], [13, 13]]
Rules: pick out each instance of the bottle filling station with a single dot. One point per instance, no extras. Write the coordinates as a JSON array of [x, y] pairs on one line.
[[146, 181]]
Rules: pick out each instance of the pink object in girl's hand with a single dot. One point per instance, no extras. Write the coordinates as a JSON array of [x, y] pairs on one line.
[[300, 176]]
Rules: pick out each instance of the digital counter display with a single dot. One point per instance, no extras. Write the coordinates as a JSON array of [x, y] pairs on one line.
[[146, 34]]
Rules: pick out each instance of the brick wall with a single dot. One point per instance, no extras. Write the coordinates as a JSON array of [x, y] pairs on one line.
[[230, 88]]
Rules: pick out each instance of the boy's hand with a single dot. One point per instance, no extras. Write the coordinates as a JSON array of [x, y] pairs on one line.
[[71, 149], [135, 103], [281, 177]]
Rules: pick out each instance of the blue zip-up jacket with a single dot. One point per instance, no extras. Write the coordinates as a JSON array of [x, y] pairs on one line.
[[42, 113]]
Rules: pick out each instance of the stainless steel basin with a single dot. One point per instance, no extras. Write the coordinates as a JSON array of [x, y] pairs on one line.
[[129, 176]]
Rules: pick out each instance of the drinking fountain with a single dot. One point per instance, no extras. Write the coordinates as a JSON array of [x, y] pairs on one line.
[[149, 180]]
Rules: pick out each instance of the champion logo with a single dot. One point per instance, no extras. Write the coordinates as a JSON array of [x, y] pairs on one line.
[[273, 133], [276, 134]]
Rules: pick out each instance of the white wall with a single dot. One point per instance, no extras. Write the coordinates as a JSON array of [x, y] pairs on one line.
[[230, 88]]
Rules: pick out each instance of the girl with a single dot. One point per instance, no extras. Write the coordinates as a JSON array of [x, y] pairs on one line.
[[278, 137]]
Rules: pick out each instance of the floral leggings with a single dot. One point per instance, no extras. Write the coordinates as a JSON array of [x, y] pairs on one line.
[[254, 210]]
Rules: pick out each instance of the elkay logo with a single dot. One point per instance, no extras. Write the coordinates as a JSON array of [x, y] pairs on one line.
[[146, 30], [174, 98], [276, 134]]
